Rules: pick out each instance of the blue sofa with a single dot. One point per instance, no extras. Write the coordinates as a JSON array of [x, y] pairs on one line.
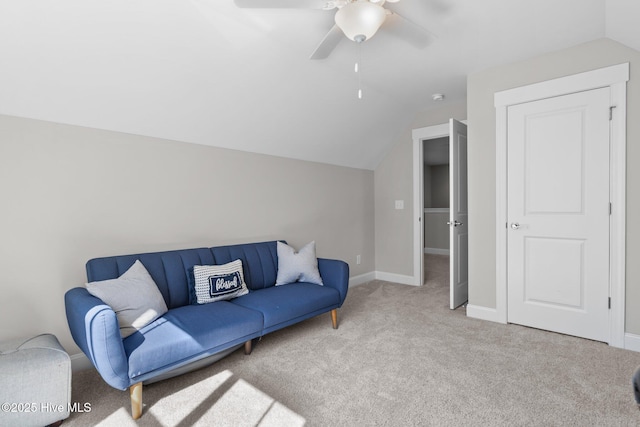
[[190, 336]]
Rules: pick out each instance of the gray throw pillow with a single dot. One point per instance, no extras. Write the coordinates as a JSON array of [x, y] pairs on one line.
[[301, 266], [134, 297]]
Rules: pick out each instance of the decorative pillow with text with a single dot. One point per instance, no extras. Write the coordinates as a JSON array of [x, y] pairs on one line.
[[218, 282]]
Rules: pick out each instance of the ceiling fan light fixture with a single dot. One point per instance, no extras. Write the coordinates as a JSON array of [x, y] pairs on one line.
[[360, 19]]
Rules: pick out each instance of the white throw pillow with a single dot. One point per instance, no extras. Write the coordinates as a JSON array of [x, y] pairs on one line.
[[134, 297], [301, 266], [219, 282]]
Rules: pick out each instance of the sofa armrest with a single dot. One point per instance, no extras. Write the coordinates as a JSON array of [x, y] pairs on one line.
[[94, 328], [335, 274]]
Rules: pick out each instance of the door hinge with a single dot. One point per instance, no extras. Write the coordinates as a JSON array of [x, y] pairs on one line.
[[610, 208], [609, 303], [611, 112]]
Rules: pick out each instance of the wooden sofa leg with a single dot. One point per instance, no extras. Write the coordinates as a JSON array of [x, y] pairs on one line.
[[135, 391], [334, 318], [247, 347]]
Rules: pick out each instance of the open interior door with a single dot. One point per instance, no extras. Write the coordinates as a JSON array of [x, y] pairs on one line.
[[458, 215]]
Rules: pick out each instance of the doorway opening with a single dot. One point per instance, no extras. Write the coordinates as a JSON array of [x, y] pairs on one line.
[[440, 207], [436, 210]]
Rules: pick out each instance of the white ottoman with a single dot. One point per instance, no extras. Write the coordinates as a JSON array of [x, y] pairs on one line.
[[35, 382]]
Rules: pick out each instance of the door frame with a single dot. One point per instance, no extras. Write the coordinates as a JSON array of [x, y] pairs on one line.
[[615, 77], [419, 135]]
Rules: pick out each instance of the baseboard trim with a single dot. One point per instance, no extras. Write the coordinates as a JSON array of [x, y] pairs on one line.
[[436, 251], [632, 342], [482, 313], [362, 278], [80, 362], [381, 275], [396, 278]]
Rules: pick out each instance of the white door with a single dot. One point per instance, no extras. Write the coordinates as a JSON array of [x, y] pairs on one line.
[[458, 228], [558, 214]]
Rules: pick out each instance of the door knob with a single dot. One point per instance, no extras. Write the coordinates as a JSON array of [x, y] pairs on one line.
[[515, 225], [454, 223]]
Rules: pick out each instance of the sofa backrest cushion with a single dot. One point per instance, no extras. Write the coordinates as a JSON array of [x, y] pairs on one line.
[[259, 261], [168, 269]]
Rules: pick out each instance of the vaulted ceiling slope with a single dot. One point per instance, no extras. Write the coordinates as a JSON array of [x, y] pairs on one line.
[[208, 72]]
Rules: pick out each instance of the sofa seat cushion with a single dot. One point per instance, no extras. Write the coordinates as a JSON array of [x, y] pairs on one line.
[[282, 304], [189, 331]]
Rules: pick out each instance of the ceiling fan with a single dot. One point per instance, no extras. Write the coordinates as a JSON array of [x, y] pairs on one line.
[[358, 20]]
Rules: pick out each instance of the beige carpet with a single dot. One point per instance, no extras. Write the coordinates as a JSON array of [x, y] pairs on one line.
[[436, 271], [399, 358]]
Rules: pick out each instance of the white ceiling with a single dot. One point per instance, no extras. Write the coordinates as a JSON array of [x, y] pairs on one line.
[[206, 72]]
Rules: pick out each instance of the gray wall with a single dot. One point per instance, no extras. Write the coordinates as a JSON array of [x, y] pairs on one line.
[[482, 134], [436, 230], [436, 184], [70, 193], [439, 186], [426, 186], [394, 181], [436, 155]]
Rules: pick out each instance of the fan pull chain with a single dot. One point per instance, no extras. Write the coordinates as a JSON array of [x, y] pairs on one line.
[[357, 70], [359, 81]]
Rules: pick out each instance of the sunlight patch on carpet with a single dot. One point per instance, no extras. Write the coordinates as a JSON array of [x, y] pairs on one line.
[[176, 407], [121, 417], [246, 405], [223, 399]]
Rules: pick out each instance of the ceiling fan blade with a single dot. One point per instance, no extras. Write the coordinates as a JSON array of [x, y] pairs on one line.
[[403, 28], [282, 4], [328, 43]]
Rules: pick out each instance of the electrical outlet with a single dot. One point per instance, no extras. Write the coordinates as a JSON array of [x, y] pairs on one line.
[[399, 204], [358, 259]]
